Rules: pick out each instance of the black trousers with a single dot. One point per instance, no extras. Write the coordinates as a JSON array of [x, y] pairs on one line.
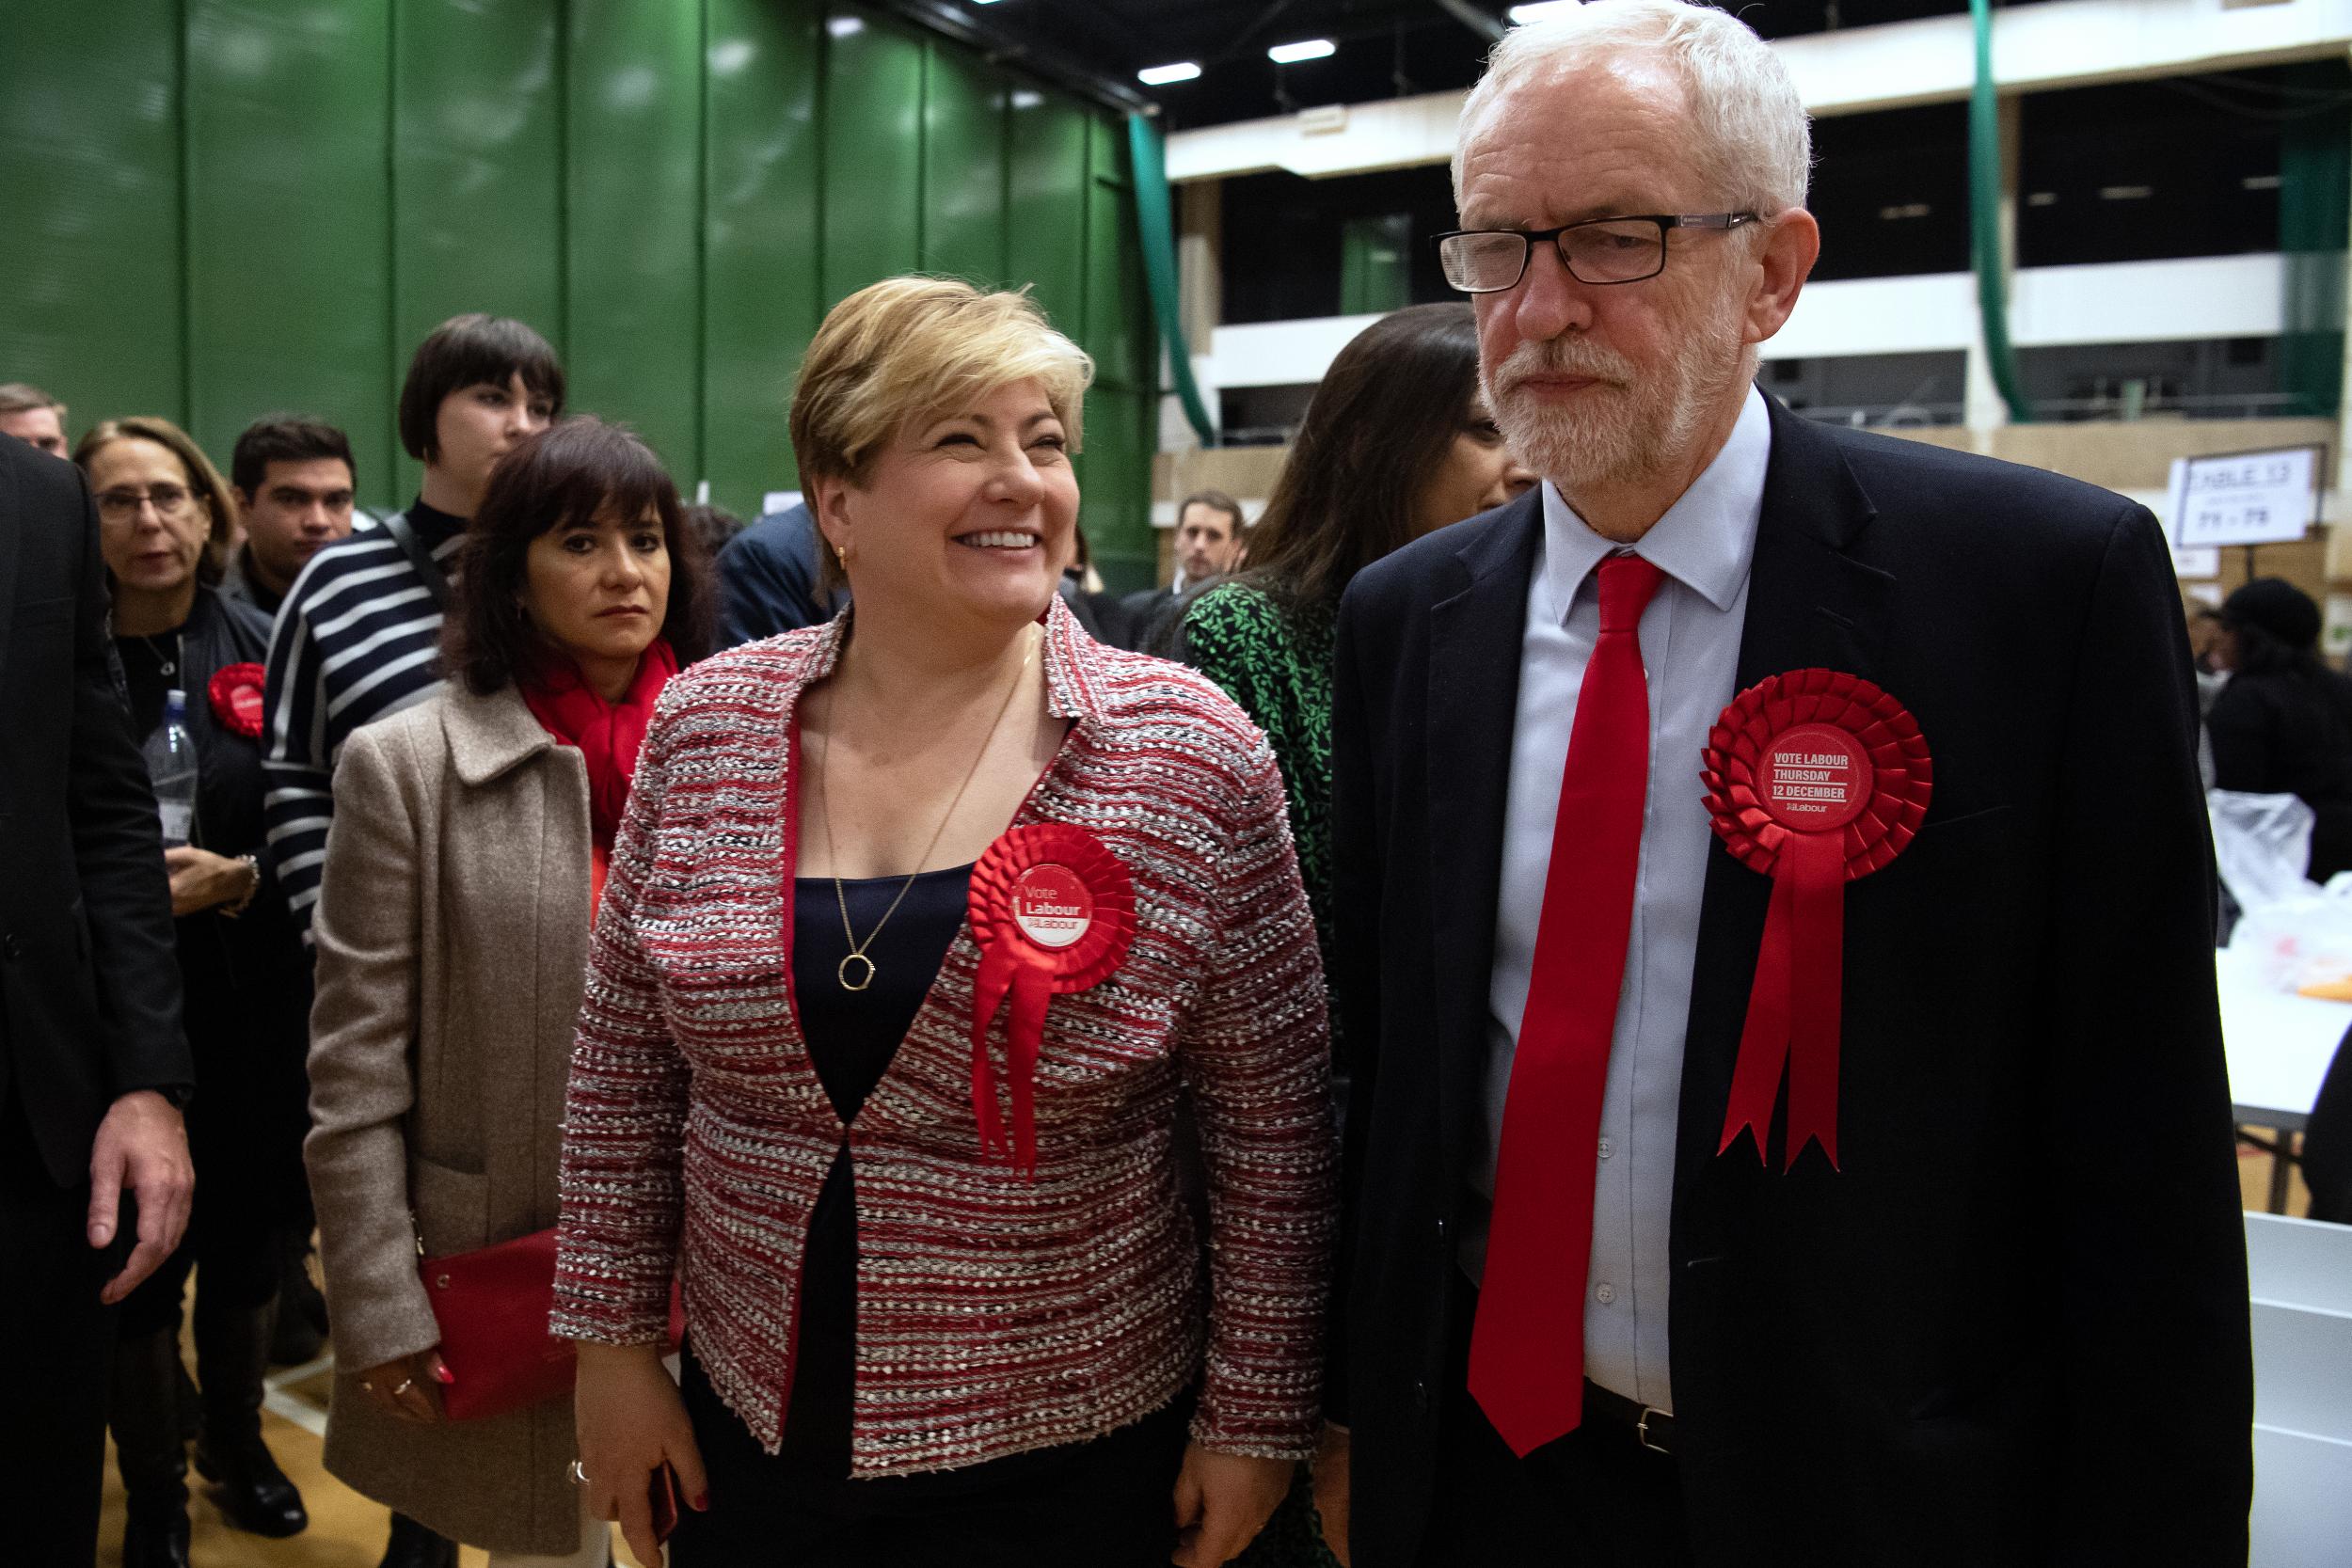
[[1596, 1497], [1104, 1504], [53, 1436]]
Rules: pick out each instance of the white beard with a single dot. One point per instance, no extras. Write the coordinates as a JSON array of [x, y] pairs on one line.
[[1632, 426]]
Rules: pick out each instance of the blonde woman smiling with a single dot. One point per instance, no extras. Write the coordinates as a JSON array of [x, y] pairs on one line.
[[920, 924]]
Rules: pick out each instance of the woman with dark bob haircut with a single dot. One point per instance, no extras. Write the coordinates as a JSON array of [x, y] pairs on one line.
[[463, 870]]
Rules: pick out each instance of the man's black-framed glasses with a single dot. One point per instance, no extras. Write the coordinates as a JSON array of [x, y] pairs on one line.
[[1599, 250]]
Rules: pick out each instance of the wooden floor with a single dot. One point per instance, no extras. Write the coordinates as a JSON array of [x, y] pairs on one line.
[[347, 1530]]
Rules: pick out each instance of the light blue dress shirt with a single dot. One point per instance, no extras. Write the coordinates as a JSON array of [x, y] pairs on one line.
[[1690, 638]]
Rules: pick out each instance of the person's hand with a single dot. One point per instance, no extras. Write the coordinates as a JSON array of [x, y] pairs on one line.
[[201, 880], [142, 1145], [407, 1386], [631, 1422], [1222, 1501], [1331, 1492]]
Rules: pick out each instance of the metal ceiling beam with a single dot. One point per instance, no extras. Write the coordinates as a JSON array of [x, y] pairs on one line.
[[1485, 23], [1001, 46]]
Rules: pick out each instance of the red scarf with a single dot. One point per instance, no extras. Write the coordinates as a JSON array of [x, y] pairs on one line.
[[608, 735]]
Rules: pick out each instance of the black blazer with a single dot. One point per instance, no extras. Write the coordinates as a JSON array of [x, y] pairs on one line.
[[2013, 1330], [90, 994]]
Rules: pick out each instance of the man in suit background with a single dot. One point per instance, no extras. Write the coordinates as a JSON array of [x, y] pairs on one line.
[[94, 1066], [1209, 549], [2004, 1320]]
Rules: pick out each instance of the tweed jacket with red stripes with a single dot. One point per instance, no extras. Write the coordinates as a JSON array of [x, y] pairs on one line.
[[996, 1313]]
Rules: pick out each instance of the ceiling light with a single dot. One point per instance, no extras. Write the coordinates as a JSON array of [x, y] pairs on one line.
[[1161, 75], [2126, 193], [1306, 49], [845, 26], [2260, 182], [1522, 15]]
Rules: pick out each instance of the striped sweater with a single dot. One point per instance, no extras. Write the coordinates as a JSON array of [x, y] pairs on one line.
[[358, 637], [996, 1314]]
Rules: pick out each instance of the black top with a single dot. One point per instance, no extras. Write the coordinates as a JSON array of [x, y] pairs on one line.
[[2289, 732], [150, 667], [853, 1036]]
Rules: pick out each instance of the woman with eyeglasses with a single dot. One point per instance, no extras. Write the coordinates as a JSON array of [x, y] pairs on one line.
[[165, 519]]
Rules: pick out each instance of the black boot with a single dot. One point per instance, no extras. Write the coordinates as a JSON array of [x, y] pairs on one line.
[[143, 1409], [413, 1546], [232, 1355], [301, 1331]]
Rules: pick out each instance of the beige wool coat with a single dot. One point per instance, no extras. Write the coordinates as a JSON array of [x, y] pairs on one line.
[[452, 937]]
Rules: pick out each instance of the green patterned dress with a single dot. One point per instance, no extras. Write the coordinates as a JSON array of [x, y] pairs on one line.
[[1277, 664]]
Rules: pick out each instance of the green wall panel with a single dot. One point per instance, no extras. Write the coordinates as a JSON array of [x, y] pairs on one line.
[[478, 175], [873, 194], [221, 207], [633, 298], [1045, 204], [90, 203], [289, 281], [762, 237], [964, 104]]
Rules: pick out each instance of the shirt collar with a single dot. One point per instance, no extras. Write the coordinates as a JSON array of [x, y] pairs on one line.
[[1706, 539]]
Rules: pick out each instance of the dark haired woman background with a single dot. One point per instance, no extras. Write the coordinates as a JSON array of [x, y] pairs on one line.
[[462, 873], [1397, 442], [165, 520], [2283, 723]]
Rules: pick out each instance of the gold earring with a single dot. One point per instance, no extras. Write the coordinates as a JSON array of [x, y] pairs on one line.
[[841, 554]]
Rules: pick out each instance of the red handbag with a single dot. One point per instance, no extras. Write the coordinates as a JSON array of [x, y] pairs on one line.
[[492, 1305]]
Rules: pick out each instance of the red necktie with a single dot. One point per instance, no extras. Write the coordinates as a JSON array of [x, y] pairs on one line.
[[1527, 1348]]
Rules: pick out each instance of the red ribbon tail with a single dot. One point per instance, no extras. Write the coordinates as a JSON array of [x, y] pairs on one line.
[[1764, 1040], [1817, 878], [995, 977], [1024, 1038]]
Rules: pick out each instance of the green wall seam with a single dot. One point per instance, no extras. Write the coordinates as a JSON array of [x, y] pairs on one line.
[[1984, 217]]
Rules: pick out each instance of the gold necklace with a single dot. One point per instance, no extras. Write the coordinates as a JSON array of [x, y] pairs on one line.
[[857, 949]]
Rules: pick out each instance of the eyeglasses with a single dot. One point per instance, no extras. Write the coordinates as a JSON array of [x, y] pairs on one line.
[[169, 500], [1599, 250]]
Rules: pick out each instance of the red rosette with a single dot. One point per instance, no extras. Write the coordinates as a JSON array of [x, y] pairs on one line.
[[1813, 778], [235, 692], [1053, 912]]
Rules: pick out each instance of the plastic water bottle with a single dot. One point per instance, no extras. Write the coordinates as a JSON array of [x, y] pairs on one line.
[[170, 754]]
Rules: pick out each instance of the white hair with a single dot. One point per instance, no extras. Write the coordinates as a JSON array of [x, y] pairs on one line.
[[1755, 144]]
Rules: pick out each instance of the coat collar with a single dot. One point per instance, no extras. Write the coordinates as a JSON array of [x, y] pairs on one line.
[[490, 735], [1076, 684]]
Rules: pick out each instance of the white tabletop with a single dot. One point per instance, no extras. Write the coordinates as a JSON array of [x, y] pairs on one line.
[[2279, 1045]]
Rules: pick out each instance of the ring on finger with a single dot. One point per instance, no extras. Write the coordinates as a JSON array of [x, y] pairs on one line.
[[402, 1386], [579, 1477]]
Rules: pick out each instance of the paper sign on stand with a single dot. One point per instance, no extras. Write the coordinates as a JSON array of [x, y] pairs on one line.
[[2259, 497]]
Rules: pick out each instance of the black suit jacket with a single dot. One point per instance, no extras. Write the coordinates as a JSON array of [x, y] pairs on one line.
[[89, 988], [2014, 1329]]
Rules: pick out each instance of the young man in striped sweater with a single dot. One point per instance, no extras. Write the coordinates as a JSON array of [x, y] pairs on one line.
[[359, 635]]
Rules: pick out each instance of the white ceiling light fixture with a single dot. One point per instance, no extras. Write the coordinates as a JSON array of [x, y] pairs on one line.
[[1522, 15], [845, 26], [1163, 75], [1305, 49]]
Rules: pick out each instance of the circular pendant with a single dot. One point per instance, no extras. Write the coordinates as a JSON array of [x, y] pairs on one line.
[[866, 975]]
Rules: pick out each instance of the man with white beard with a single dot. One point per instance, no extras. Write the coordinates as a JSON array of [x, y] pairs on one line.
[[1702, 770]]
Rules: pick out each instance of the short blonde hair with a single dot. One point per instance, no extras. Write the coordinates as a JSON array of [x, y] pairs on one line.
[[204, 480], [1755, 143], [905, 347]]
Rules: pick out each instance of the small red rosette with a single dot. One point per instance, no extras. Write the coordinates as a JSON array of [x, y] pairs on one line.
[[236, 696], [1053, 912], [1813, 778]]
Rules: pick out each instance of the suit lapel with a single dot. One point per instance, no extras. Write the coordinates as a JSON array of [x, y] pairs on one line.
[[1811, 601], [1474, 646]]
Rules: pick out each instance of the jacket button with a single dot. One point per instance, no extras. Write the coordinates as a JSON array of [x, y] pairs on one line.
[[1420, 1396], [10, 948]]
